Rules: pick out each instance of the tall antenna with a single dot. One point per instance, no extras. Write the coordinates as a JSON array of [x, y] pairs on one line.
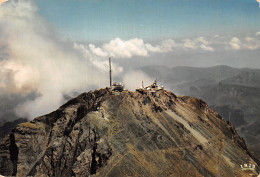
[[110, 73]]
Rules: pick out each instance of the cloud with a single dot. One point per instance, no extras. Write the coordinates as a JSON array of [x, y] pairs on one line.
[[118, 48], [251, 43], [257, 33], [97, 51], [206, 48], [99, 62], [197, 43], [249, 39], [235, 43], [36, 60], [202, 40], [188, 43], [164, 47], [18, 78], [126, 49]]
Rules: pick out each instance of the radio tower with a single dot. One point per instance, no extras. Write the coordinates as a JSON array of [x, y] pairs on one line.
[[110, 73]]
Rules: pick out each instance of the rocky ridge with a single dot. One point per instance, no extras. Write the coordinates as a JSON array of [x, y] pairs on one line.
[[106, 133]]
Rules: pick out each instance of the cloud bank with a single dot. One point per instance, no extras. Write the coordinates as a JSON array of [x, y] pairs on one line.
[[34, 59], [197, 43], [248, 43], [127, 49], [118, 48]]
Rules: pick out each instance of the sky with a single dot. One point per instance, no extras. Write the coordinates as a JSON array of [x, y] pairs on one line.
[[101, 20], [53, 48]]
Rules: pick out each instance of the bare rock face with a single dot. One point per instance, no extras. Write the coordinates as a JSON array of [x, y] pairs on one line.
[[7, 127], [106, 133]]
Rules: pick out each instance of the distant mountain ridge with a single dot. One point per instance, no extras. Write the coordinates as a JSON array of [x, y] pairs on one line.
[[244, 78], [186, 73]]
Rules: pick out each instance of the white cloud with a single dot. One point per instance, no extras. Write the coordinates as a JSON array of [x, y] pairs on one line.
[[164, 47], [206, 48], [24, 78], [202, 40], [249, 39], [100, 62], [103, 65], [197, 43], [118, 48], [190, 44], [251, 43], [154, 49], [167, 45], [97, 51], [257, 33], [235, 43], [121, 49]]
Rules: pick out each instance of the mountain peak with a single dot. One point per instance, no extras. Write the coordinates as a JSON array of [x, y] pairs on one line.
[[111, 133]]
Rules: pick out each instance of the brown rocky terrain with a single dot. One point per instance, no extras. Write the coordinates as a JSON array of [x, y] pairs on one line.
[[233, 92], [106, 133]]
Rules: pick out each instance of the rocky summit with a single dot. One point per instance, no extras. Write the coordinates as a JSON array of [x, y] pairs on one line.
[[141, 133]]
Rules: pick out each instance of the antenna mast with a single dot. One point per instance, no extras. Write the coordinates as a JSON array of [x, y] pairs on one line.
[[110, 73]]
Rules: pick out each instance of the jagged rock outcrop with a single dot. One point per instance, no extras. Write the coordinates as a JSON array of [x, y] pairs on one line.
[[106, 133], [7, 127]]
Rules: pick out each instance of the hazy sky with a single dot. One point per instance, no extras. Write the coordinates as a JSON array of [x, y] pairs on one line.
[[96, 20]]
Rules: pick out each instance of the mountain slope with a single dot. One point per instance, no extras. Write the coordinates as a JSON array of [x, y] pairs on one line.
[[233, 92], [126, 134]]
